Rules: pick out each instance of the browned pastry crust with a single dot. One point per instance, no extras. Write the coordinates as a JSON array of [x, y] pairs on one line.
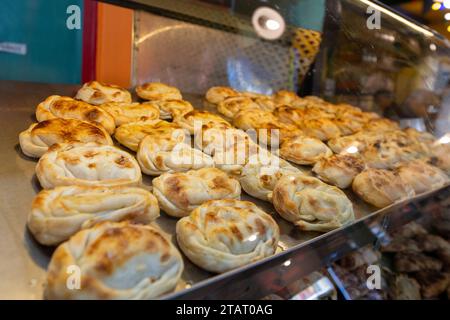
[[36, 140], [96, 93], [339, 169], [196, 119], [408, 261], [264, 120], [381, 187], [381, 125], [422, 176], [232, 105], [322, 129], [158, 91], [68, 108], [304, 150], [215, 95], [285, 97], [117, 261]]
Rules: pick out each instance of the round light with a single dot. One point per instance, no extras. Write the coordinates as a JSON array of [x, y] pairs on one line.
[[436, 6], [448, 28], [272, 24], [446, 3], [433, 47], [447, 16]]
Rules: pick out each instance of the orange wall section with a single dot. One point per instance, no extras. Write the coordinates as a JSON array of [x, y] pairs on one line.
[[114, 44]]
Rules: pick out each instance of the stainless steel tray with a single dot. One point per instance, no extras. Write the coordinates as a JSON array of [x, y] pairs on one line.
[[23, 260]]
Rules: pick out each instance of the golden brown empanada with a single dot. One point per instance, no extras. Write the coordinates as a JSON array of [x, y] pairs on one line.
[[130, 112], [311, 204], [181, 192], [221, 235], [59, 213], [158, 91], [131, 134], [97, 93], [115, 261], [215, 95], [381, 188], [36, 140], [89, 164], [68, 108], [339, 169], [422, 177], [160, 154], [304, 150]]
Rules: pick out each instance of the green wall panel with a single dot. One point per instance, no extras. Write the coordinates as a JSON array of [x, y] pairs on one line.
[[53, 51]]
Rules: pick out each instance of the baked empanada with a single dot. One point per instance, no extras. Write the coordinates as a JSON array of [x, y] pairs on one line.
[[131, 134], [258, 178], [421, 176], [158, 91], [89, 164], [269, 128], [171, 108], [285, 97], [311, 204], [96, 93], [380, 125], [231, 106], [381, 188], [180, 193], [36, 140], [130, 112], [197, 119], [221, 235], [304, 150], [115, 261], [339, 169], [323, 129], [59, 213], [68, 108], [215, 95], [157, 155]]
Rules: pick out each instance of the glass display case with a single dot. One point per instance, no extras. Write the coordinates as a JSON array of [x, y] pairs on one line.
[[355, 52]]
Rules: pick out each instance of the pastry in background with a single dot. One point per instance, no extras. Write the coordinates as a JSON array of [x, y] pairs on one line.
[[270, 130], [68, 108], [347, 126], [59, 213], [421, 176], [222, 235], [432, 282], [97, 93], [339, 169], [170, 109], [304, 150], [130, 112], [158, 91], [323, 129], [160, 154], [258, 177], [380, 125], [197, 119], [216, 95], [131, 134], [180, 193], [36, 140], [117, 261], [381, 188], [89, 164], [231, 106], [285, 97], [311, 204]]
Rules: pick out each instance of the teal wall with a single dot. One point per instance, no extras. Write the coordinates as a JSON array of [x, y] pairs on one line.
[[54, 52]]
